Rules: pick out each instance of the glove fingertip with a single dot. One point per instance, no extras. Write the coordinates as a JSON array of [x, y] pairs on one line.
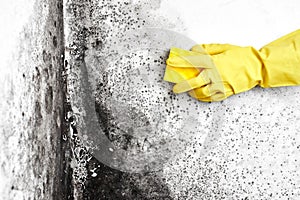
[[176, 89]]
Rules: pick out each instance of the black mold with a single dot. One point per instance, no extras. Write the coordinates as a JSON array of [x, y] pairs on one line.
[[111, 184]]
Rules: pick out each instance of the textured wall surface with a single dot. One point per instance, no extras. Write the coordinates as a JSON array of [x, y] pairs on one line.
[[31, 99]]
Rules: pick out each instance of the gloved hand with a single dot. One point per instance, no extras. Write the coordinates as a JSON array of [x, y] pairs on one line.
[[213, 72]]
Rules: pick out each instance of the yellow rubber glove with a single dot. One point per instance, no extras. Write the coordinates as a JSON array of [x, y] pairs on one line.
[[212, 72]]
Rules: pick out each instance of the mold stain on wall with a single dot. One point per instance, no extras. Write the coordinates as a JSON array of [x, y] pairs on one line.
[[118, 49], [94, 26], [171, 146]]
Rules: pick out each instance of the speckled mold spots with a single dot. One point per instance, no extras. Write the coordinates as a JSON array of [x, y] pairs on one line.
[[134, 105], [199, 179], [102, 33], [166, 146]]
